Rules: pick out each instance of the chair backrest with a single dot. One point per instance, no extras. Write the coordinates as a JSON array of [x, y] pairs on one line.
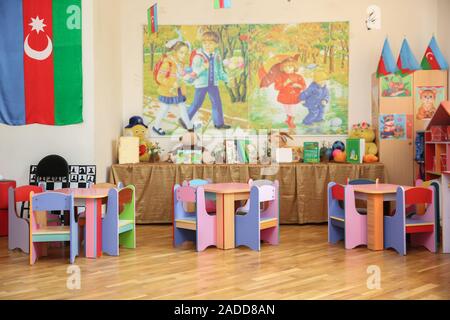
[[341, 194], [186, 194], [21, 195], [355, 182], [196, 182], [127, 203], [52, 166], [51, 201], [106, 185], [265, 194], [415, 196]]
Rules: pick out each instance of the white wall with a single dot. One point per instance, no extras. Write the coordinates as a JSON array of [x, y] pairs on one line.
[[443, 28], [415, 19], [25, 145]]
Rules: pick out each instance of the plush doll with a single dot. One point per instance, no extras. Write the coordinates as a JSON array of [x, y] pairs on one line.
[[190, 141], [365, 131], [137, 128]]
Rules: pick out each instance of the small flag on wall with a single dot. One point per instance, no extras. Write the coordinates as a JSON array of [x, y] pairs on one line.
[[152, 16], [433, 58], [387, 63], [406, 62], [222, 4]]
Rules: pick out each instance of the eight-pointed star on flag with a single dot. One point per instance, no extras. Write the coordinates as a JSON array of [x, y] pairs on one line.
[[37, 24]]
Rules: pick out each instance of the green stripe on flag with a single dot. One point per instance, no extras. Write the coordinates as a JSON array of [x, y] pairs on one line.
[[425, 64], [67, 57], [216, 4]]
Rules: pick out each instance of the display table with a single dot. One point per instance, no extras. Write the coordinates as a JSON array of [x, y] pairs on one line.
[[303, 187]]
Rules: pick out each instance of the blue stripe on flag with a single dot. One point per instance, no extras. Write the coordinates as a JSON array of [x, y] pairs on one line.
[[408, 60], [388, 58], [438, 54], [12, 93], [227, 3], [155, 20]]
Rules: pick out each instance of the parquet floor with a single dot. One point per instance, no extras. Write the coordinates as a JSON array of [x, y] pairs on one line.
[[303, 266]]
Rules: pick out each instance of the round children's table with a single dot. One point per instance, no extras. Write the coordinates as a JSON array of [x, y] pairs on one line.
[[91, 199]]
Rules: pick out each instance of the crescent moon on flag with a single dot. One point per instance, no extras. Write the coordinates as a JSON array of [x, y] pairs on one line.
[[429, 55], [38, 55]]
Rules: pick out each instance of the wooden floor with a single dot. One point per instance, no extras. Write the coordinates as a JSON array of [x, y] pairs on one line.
[[303, 266]]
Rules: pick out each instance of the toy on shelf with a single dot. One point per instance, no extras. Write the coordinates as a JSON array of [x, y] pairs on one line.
[[119, 222], [189, 151], [253, 224], [345, 222], [18, 227], [138, 128], [422, 228], [311, 152], [199, 227], [41, 233], [364, 131], [338, 152]]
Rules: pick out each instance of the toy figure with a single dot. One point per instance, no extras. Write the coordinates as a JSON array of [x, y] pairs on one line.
[[365, 131], [208, 68], [168, 74], [139, 129], [427, 108], [315, 98]]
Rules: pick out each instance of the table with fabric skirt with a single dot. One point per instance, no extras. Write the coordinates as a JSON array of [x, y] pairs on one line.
[[303, 187]]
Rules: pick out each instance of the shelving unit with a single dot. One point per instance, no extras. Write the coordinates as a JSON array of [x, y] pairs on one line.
[[437, 153]]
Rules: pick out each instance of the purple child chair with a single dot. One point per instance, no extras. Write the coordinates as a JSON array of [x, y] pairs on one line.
[[254, 225], [200, 226], [421, 227], [345, 223], [41, 234]]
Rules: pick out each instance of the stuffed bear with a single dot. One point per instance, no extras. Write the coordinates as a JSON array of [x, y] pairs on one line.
[[315, 98], [365, 131]]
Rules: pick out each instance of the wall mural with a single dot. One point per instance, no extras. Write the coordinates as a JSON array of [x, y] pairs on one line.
[[213, 77]]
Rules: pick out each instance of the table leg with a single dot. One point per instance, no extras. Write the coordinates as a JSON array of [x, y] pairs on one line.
[[91, 227], [375, 239], [445, 213], [219, 223], [99, 226], [228, 221]]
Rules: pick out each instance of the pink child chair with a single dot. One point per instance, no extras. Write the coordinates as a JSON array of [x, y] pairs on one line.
[[345, 223], [18, 227], [199, 227], [421, 227]]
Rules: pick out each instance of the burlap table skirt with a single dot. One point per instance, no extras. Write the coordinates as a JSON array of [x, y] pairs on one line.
[[303, 187]]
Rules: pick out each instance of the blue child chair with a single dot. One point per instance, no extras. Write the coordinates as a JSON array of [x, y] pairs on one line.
[[421, 227], [41, 232], [254, 225]]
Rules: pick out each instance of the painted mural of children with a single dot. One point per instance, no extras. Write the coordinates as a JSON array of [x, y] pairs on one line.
[[168, 75], [315, 98], [208, 67]]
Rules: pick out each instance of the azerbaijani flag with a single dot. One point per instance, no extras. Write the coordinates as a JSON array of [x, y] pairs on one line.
[[406, 61], [386, 65], [433, 58], [222, 4], [152, 16], [41, 78]]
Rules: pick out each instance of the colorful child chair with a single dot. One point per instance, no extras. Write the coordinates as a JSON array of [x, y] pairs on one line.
[[421, 227], [119, 223], [345, 223], [41, 232], [254, 225], [18, 227], [437, 203], [199, 226], [210, 198]]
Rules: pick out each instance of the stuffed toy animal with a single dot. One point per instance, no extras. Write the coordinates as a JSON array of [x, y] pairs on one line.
[[189, 141], [137, 128], [365, 131]]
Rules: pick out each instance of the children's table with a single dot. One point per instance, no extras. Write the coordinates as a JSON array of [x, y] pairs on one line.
[[375, 194], [226, 195], [91, 199], [445, 212]]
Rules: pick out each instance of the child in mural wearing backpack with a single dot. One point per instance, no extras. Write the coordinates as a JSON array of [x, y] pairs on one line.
[[207, 71], [169, 74]]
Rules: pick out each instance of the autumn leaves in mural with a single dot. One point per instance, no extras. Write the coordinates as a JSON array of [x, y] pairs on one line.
[[290, 77]]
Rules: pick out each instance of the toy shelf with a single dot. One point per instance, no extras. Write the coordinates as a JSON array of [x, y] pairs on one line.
[[437, 157]]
